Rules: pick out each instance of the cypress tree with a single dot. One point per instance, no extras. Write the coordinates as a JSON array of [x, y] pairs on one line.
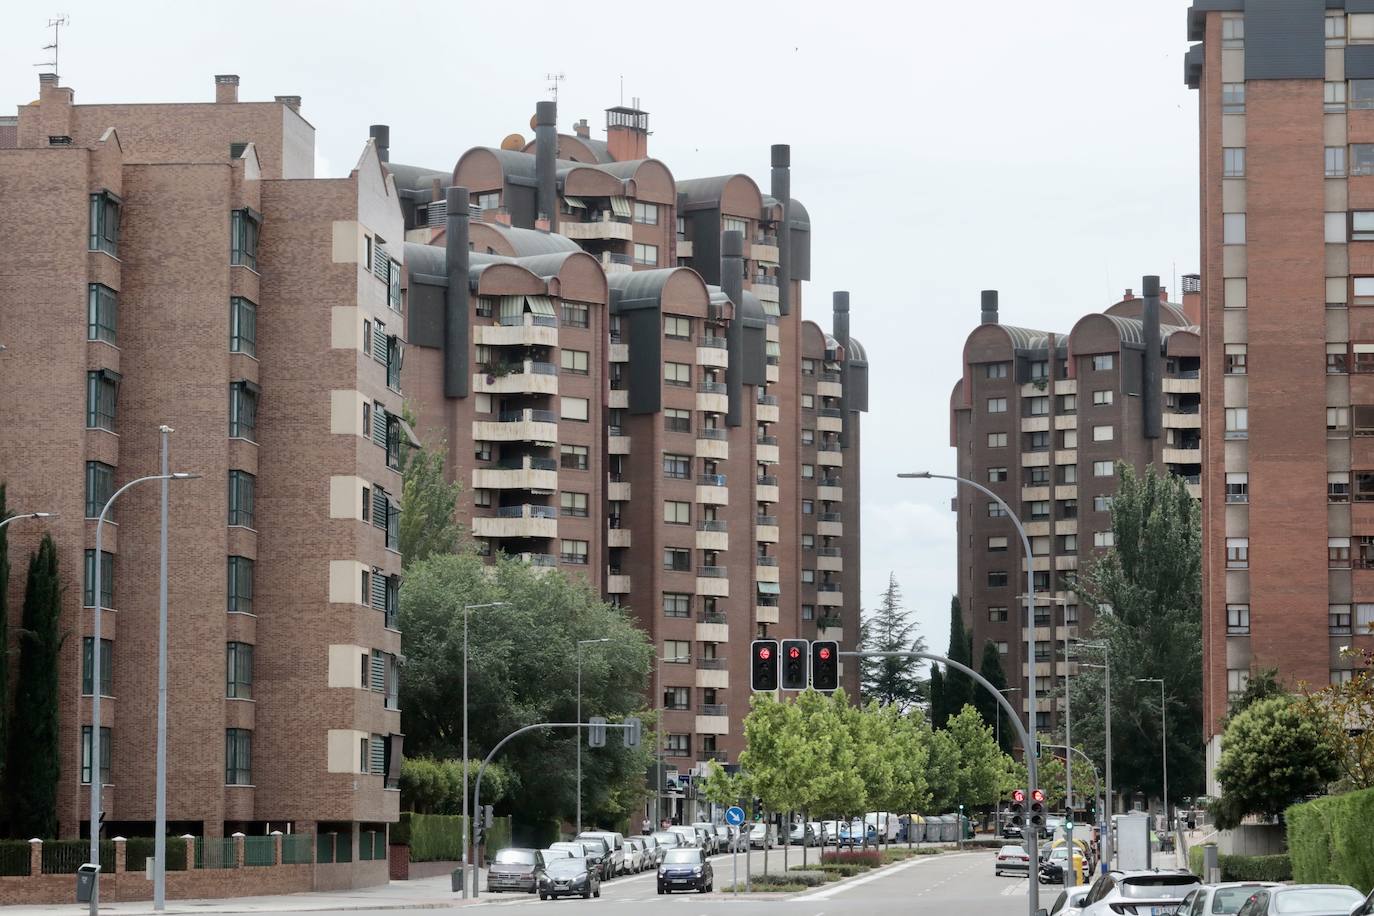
[[958, 686], [33, 770], [986, 703], [939, 712]]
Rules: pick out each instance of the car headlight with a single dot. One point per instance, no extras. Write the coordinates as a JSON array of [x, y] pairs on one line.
[[696, 873], [582, 877]]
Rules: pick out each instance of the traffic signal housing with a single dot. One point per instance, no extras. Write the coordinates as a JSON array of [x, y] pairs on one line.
[[1018, 807], [1037, 809], [796, 656], [763, 669], [825, 665]]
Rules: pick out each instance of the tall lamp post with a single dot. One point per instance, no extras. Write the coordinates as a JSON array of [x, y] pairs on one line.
[[997, 821], [467, 822], [1163, 741], [96, 784], [15, 518], [658, 733], [580, 644], [1106, 668]]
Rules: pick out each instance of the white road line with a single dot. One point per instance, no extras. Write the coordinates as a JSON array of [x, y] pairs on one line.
[[829, 892]]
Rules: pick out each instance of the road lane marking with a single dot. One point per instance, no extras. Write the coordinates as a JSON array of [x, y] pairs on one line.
[[829, 892]]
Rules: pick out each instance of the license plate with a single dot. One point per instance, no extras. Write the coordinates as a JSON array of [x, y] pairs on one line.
[[1163, 910]]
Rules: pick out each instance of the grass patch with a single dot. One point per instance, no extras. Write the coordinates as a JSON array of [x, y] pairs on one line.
[[898, 854], [870, 858], [765, 888]]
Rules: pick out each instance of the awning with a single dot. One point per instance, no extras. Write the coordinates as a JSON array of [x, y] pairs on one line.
[[541, 305], [575, 203], [769, 588], [620, 206], [411, 439], [512, 307], [770, 308], [773, 348]]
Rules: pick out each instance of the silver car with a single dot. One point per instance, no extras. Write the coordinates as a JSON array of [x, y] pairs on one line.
[[1303, 900], [1070, 901], [1220, 898], [635, 855], [667, 839], [653, 849]]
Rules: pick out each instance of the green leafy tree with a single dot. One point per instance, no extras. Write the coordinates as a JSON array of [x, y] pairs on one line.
[[891, 681], [34, 762], [4, 642], [1261, 686], [958, 686], [522, 670], [1346, 712], [1049, 776], [834, 787], [428, 504], [986, 703], [772, 735], [1273, 754], [979, 767], [909, 751], [430, 786]]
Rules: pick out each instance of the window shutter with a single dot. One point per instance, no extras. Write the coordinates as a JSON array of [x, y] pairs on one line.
[[379, 423], [378, 678], [381, 265], [378, 590], [377, 761], [379, 343], [379, 507]]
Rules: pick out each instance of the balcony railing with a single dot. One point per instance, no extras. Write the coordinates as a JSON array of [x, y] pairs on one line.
[[517, 321], [834, 446], [539, 559], [767, 521], [827, 376], [830, 412], [710, 432], [527, 415], [766, 561], [766, 601], [526, 511], [829, 482], [767, 440], [766, 240], [715, 343], [711, 572], [528, 463], [718, 756], [768, 400], [828, 517], [829, 623], [711, 524], [711, 480], [711, 617], [767, 480], [615, 431], [829, 552], [828, 587], [765, 280], [712, 388], [711, 664], [713, 709]]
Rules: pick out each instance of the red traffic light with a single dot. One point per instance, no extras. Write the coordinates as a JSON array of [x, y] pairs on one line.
[[824, 653], [1038, 795], [765, 653], [1019, 795], [794, 652]]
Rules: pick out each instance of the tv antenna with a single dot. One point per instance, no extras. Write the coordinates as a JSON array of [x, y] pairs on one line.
[[56, 26], [554, 79]]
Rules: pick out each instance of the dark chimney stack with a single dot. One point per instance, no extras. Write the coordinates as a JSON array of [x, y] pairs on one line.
[[989, 306], [781, 190], [732, 284], [381, 135], [546, 162], [1151, 383], [457, 309], [839, 328]]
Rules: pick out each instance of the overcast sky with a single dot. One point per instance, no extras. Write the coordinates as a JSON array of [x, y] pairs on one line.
[[1046, 149]]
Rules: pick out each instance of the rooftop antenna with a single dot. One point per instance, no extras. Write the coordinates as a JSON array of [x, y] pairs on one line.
[[554, 79], [622, 90], [54, 24]]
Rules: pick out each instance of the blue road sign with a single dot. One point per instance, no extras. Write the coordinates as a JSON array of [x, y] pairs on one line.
[[734, 815]]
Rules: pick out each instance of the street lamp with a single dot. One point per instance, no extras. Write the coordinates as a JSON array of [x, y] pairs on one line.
[[658, 741], [1068, 715], [15, 518], [580, 644], [467, 823], [1163, 741], [96, 785]]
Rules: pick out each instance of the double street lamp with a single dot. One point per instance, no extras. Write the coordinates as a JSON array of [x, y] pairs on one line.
[[1163, 740], [580, 644], [467, 822]]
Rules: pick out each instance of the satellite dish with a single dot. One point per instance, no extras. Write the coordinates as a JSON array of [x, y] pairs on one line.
[[513, 141], [534, 122]]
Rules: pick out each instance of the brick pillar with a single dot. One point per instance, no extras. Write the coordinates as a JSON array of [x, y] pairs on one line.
[[238, 850], [276, 847], [190, 842], [35, 856], [120, 845]]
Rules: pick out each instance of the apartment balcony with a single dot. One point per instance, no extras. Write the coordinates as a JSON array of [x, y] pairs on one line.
[[829, 599], [766, 610], [517, 522], [829, 389], [711, 351], [765, 492], [612, 262], [618, 491], [617, 443], [543, 562], [828, 562], [711, 535], [1069, 561], [829, 456], [766, 569], [711, 400], [712, 581], [1183, 456], [1195, 490], [528, 473], [1066, 526], [1035, 494], [528, 377], [766, 450], [830, 529], [764, 533], [1182, 420], [1035, 424], [771, 374], [830, 494], [767, 413], [771, 331], [829, 420], [765, 249], [537, 426], [765, 292], [532, 331], [617, 583], [713, 632], [602, 229], [713, 725], [712, 443], [1066, 421], [1183, 385], [684, 248], [618, 537], [618, 399], [711, 490], [618, 352], [712, 672]]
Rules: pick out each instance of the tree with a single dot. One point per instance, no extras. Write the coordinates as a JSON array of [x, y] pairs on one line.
[[939, 703], [523, 670], [891, 681], [4, 642], [959, 687], [430, 786], [1346, 712], [34, 762], [428, 502], [978, 780], [1273, 754], [986, 703], [1261, 686]]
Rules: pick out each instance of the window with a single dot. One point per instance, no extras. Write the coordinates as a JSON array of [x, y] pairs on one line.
[[996, 370], [735, 224], [240, 591], [1338, 553], [1039, 407], [574, 552], [677, 513], [1103, 433], [997, 614], [574, 361], [102, 389], [995, 510], [1102, 397], [1103, 362], [1103, 539], [1237, 487], [677, 697], [1103, 469], [1361, 94], [1362, 226], [1233, 228], [1068, 438], [1040, 545], [1068, 508], [996, 405], [1068, 403], [572, 457], [678, 467], [1038, 441], [1338, 487], [1364, 617], [1067, 473], [243, 326], [997, 543], [1363, 486], [1237, 679], [1068, 543], [241, 487], [646, 214], [1233, 162], [1232, 98], [1232, 32], [809, 367], [99, 487], [677, 421], [677, 559], [243, 238], [677, 604], [808, 576], [576, 315], [1361, 27], [1363, 288], [1335, 162], [491, 200], [1361, 159], [574, 408], [102, 313], [677, 651], [808, 507], [997, 475], [106, 667], [808, 471], [243, 410], [106, 579], [997, 579], [1237, 423], [1234, 359], [1102, 504], [997, 440], [1334, 228], [646, 254], [1039, 369], [1337, 359], [1237, 553], [1003, 648], [238, 668], [679, 746], [105, 213], [238, 757], [677, 327], [1335, 29], [808, 402], [1338, 420], [1333, 96], [1338, 619], [573, 504], [677, 374], [1237, 620], [1037, 477], [86, 755]]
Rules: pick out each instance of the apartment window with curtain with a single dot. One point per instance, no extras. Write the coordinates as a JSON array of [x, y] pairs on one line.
[[106, 209], [1337, 359], [574, 362], [238, 757], [1237, 423], [1233, 98], [646, 254], [244, 225], [99, 488], [102, 391], [238, 667], [1235, 359], [646, 213], [241, 491], [106, 667], [1338, 487], [105, 734], [1338, 553], [576, 315], [1237, 487], [1233, 162], [572, 504], [574, 552], [1104, 362], [243, 410], [997, 405], [1237, 679], [676, 327], [677, 604], [1237, 620], [106, 579], [1335, 161], [1337, 422], [677, 421], [1360, 160], [240, 587], [102, 313], [997, 440], [1237, 553], [677, 513]]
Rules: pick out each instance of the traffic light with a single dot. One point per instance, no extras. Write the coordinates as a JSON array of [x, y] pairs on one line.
[[825, 665], [633, 730], [795, 658], [596, 731], [1037, 809], [1018, 807], [758, 809], [764, 669]]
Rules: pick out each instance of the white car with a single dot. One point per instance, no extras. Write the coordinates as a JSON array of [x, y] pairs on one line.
[[1218, 898], [1012, 860], [1153, 892], [635, 855], [762, 836], [1070, 901], [689, 835]]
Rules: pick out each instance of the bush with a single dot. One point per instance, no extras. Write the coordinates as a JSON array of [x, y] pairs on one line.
[[1245, 868], [869, 858], [843, 871], [137, 849], [1328, 840], [435, 837]]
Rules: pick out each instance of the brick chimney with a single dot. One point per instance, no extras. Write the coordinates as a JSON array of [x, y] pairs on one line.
[[627, 133], [582, 129], [226, 88], [54, 109], [290, 101], [1128, 296], [1192, 298]]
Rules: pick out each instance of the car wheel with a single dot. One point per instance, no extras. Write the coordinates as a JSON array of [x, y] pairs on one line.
[[587, 895], [597, 892], [543, 896]]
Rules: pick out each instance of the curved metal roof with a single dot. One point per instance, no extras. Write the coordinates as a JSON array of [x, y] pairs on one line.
[[625, 169], [418, 178], [513, 162], [1026, 338], [425, 259], [1174, 311], [751, 307], [1167, 330], [702, 190], [642, 284], [857, 353], [527, 242], [1132, 330], [600, 149]]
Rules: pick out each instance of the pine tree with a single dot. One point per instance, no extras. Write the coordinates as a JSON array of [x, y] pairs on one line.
[[958, 686], [33, 770], [986, 703], [891, 681], [4, 642]]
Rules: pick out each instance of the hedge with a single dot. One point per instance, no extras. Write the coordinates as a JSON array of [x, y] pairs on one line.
[[869, 858], [439, 837], [1245, 868], [1330, 840]]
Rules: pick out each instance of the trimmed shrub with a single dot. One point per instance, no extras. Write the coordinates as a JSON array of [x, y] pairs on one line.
[[1244, 868], [436, 837], [1328, 840], [869, 858]]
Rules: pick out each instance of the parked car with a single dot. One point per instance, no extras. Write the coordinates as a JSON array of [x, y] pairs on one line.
[[707, 831], [1013, 860], [1366, 908], [560, 851], [803, 833], [685, 869], [762, 836], [568, 877], [634, 855], [515, 870], [668, 839], [1220, 898], [1142, 891], [689, 835], [1303, 899], [1070, 901], [595, 849], [830, 833], [615, 843], [571, 848], [653, 849], [724, 837], [817, 832], [1012, 832]]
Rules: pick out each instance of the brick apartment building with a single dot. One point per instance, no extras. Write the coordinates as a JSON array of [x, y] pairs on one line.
[[181, 265], [618, 363], [1042, 418], [1286, 121]]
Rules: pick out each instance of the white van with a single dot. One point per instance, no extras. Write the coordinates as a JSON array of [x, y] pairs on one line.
[[883, 825], [616, 842]]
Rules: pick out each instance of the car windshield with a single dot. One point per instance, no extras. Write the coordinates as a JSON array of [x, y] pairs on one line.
[[666, 839], [682, 857], [1316, 900], [1231, 899], [515, 857], [1164, 886], [1012, 851], [758, 828], [552, 853], [566, 868]]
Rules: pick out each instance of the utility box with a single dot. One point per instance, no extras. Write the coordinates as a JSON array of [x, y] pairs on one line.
[[86, 877], [1133, 842]]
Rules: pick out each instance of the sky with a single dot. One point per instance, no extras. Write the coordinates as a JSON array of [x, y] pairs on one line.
[[1047, 150]]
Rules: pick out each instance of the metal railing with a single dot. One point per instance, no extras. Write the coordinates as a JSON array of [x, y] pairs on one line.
[[765, 280], [711, 664], [527, 415], [711, 480], [770, 521], [712, 388], [718, 756], [830, 412], [711, 572], [828, 587], [829, 482], [527, 463], [715, 343], [767, 480], [828, 517], [526, 511], [767, 440], [827, 376], [215, 852], [833, 446], [539, 559], [710, 617], [767, 400], [711, 524], [259, 851], [710, 432], [766, 240], [829, 552], [765, 561], [766, 601], [713, 709]]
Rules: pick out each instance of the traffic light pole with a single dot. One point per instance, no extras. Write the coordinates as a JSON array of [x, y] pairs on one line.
[[1032, 770]]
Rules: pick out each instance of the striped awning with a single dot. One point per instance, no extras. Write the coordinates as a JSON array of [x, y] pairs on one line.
[[620, 206], [769, 588], [575, 203], [774, 348], [541, 305], [512, 306], [770, 308]]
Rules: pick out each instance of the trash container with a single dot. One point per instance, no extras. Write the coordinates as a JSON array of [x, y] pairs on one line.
[[456, 879], [86, 877]]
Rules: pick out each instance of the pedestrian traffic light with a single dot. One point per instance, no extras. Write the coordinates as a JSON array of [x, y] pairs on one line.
[[1037, 809], [596, 731], [825, 665], [758, 809], [633, 730], [1018, 807], [796, 656], [764, 669]]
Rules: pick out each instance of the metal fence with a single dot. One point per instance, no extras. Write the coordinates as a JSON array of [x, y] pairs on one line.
[[215, 852], [297, 849], [259, 850], [63, 857]]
